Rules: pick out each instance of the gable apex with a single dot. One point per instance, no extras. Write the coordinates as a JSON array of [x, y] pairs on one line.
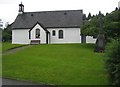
[[37, 23]]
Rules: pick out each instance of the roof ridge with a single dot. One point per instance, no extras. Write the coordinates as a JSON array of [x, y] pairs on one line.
[[54, 11]]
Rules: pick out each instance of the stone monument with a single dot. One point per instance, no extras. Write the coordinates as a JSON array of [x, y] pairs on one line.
[[100, 42]]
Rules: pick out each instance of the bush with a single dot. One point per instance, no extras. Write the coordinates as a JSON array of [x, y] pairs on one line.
[[7, 35], [113, 63]]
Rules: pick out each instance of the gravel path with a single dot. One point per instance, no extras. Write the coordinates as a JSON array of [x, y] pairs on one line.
[[16, 82], [13, 50]]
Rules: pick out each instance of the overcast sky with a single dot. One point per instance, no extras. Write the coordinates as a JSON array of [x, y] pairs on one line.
[[9, 8]]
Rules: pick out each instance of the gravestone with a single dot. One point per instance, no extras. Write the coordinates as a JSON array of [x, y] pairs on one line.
[[100, 43]]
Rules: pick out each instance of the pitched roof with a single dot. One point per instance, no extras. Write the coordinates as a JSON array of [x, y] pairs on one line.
[[49, 19]]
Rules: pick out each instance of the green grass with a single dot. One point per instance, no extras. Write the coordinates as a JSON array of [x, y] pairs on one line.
[[0, 59], [67, 64], [7, 45], [0, 47]]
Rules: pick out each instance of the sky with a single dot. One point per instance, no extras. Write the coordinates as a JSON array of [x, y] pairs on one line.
[[9, 8]]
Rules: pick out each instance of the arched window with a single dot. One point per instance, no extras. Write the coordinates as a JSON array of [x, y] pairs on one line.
[[53, 33], [60, 33], [37, 33]]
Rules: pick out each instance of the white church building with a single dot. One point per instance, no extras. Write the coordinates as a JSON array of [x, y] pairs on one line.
[[48, 27]]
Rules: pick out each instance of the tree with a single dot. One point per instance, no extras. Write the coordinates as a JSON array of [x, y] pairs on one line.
[[7, 34], [89, 16], [100, 14], [113, 63], [1, 34], [1, 23], [111, 28], [110, 25], [84, 17], [90, 27]]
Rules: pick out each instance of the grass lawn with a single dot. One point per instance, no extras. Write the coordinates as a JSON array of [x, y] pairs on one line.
[[0, 59], [66, 64], [0, 47], [7, 45]]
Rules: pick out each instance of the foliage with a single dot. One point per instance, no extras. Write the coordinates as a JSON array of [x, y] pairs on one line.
[[89, 16], [1, 34], [111, 30], [110, 27], [113, 52], [90, 27], [7, 34], [65, 64]]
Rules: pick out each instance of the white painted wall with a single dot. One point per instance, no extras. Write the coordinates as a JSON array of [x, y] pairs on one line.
[[119, 4], [70, 35], [90, 39], [42, 34], [20, 36]]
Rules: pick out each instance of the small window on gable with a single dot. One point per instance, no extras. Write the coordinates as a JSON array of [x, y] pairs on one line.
[[53, 33], [60, 33], [37, 33]]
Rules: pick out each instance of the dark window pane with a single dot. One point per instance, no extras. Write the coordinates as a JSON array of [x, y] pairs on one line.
[[60, 34], [53, 33]]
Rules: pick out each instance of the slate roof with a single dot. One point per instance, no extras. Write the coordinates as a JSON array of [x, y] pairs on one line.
[[49, 19]]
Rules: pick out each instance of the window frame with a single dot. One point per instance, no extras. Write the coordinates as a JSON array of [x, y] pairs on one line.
[[53, 33], [37, 33], [60, 34]]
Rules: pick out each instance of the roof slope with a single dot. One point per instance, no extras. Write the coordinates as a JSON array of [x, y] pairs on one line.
[[49, 19]]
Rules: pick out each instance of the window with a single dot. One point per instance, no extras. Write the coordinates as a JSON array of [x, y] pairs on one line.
[[60, 34], [53, 33], [37, 33]]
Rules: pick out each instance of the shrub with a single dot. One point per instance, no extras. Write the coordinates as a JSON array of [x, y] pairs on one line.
[[113, 63]]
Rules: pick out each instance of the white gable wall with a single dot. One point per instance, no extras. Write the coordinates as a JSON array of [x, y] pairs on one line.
[[20, 36], [70, 35], [42, 34]]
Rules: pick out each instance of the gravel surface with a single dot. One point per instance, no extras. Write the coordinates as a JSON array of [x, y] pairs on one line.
[[16, 82]]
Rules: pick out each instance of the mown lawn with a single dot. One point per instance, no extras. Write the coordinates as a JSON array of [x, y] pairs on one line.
[[7, 45], [66, 64], [0, 59], [0, 47]]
